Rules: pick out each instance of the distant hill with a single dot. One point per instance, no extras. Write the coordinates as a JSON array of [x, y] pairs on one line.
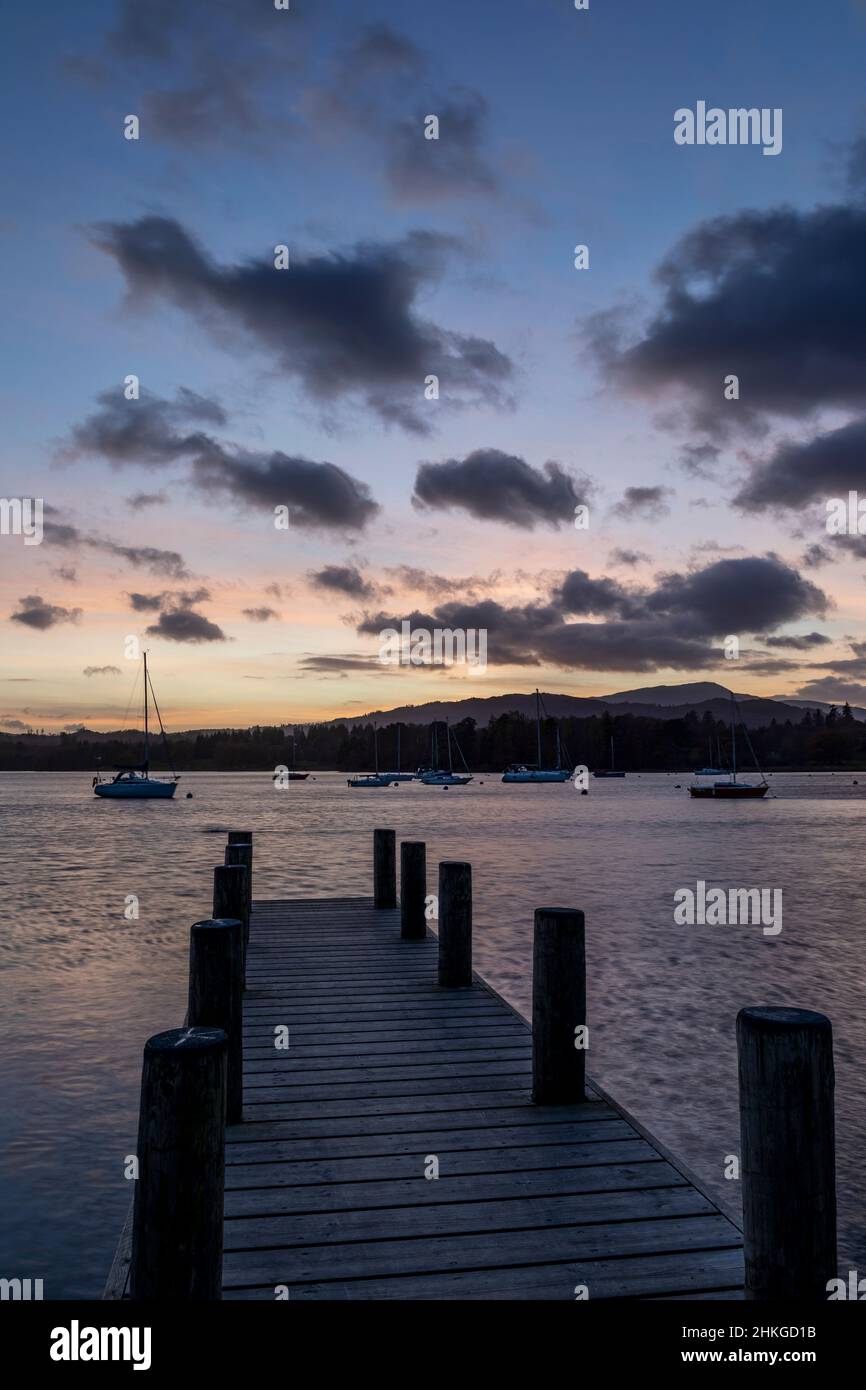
[[653, 702]]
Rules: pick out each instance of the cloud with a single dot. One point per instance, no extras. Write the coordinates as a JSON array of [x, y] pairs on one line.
[[167, 563], [343, 579], [318, 495], [677, 624], [698, 460], [630, 558], [730, 596], [67, 573], [185, 625], [454, 165], [36, 613], [802, 642], [340, 665], [494, 486], [776, 297], [140, 500], [101, 671], [14, 725], [168, 598], [260, 615], [814, 556], [801, 472], [648, 503], [438, 585], [345, 325]]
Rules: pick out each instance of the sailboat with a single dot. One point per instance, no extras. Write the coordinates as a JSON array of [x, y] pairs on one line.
[[710, 770], [399, 776], [134, 783], [732, 788], [292, 775], [438, 777], [534, 772], [374, 779], [608, 771]]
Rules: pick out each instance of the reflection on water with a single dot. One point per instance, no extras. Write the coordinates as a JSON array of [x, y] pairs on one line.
[[83, 987]]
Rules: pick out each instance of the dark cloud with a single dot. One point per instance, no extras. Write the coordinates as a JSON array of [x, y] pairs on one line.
[[631, 558], [318, 495], [699, 460], [814, 556], [345, 325], [454, 165], [438, 585], [260, 615], [167, 563], [802, 642], [647, 503], [801, 472], [340, 664], [168, 598], [343, 579], [734, 596], [677, 624], [494, 486], [36, 613], [68, 573], [185, 625], [776, 297], [101, 671], [140, 500]]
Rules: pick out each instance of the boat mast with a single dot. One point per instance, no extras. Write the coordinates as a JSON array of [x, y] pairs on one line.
[[558, 750], [398, 747], [733, 738], [448, 736], [146, 730], [611, 752], [376, 748], [538, 729]]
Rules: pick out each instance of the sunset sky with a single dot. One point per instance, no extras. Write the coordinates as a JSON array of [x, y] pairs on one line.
[[305, 387]]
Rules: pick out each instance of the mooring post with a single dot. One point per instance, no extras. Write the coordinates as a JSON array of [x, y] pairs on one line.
[[455, 925], [384, 868], [559, 1007], [216, 996], [230, 900], [413, 889], [177, 1232], [788, 1163], [242, 853]]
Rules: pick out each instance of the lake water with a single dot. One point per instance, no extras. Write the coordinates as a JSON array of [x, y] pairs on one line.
[[83, 987]]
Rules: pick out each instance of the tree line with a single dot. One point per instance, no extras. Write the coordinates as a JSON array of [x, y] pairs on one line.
[[831, 740]]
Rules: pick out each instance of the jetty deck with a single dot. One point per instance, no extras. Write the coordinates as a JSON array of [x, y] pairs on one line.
[[388, 1078]]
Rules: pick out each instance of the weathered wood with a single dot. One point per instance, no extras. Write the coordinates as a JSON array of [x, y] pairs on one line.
[[177, 1238], [558, 1006], [413, 889], [384, 869], [230, 901], [243, 854], [455, 925], [788, 1152], [216, 996]]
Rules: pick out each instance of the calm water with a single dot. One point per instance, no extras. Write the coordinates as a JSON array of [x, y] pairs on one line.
[[83, 988]]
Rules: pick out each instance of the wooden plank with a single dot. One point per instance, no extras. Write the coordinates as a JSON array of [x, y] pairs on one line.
[[325, 1179]]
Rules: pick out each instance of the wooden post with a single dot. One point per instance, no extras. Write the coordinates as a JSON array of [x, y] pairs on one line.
[[455, 925], [384, 868], [787, 1155], [243, 854], [558, 1006], [413, 889], [230, 900], [177, 1233], [215, 996]]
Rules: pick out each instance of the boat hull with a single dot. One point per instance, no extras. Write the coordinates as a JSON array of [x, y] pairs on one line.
[[446, 780], [608, 774], [729, 793], [365, 782], [135, 791], [539, 775]]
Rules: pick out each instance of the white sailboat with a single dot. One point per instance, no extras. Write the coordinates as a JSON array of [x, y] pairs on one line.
[[528, 772], [374, 779], [134, 783], [399, 776], [439, 777]]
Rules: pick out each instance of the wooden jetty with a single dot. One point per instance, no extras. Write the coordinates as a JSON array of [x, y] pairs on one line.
[[406, 1134]]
